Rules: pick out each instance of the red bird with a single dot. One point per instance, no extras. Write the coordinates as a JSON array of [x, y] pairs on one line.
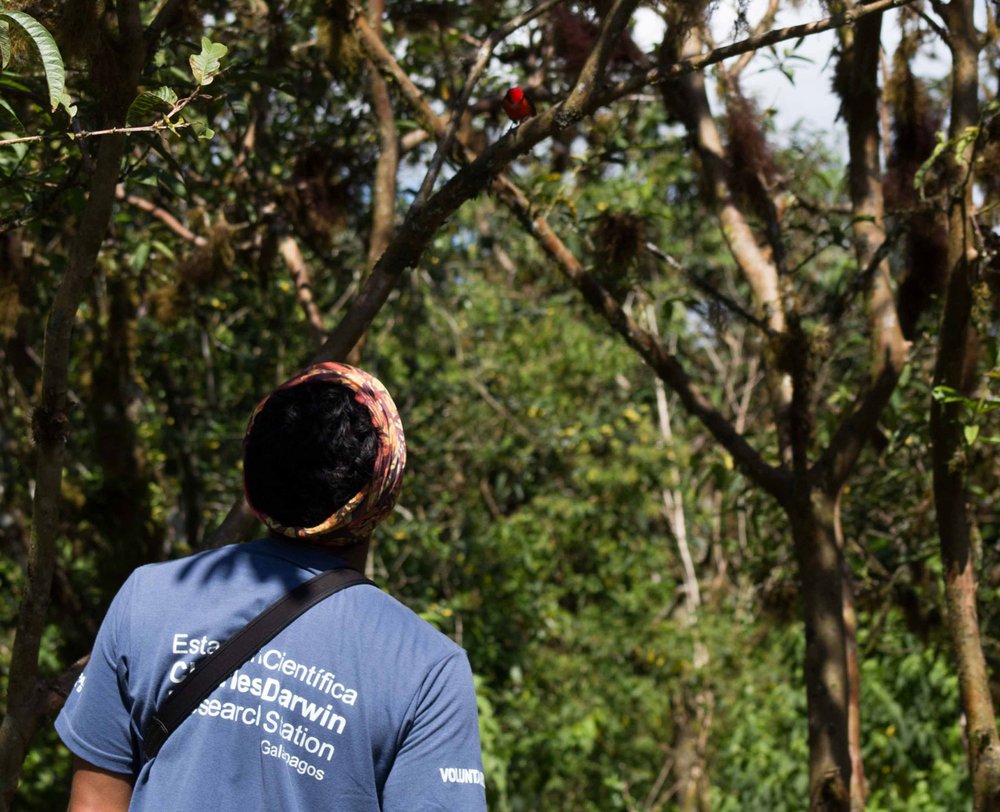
[[517, 105]]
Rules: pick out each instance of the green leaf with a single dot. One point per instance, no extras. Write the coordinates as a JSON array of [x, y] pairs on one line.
[[208, 63], [204, 132], [971, 433], [142, 109], [10, 83], [141, 256], [4, 44], [925, 167], [19, 149], [163, 249], [67, 104], [10, 111], [945, 394], [48, 51]]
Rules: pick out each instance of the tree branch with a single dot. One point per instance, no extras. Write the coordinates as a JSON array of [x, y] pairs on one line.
[[730, 304], [765, 22], [290, 252], [384, 193], [592, 72], [150, 128], [164, 216], [889, 351], [666, 366], [688, 99], [485, 51]]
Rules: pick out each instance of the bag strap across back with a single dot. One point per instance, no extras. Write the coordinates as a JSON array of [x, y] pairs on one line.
[[212, 670]]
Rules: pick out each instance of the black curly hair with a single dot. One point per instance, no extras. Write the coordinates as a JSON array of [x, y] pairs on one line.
[[310, 449]]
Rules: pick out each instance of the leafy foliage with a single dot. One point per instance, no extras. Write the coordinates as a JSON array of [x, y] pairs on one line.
[[533, 528]]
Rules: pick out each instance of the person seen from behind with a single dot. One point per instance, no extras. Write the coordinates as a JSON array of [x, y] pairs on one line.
[[357, 705]]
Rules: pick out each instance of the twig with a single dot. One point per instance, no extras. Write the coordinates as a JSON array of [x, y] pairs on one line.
[[164, 216], [163, 124], [936, 26], [486, 49], [860, 282], [705, 287], [765, 22], [292, 255]]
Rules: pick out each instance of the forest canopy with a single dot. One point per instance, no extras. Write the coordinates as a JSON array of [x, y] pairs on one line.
[[701, 397]]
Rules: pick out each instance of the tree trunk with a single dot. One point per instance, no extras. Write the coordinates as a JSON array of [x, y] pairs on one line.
[[51, 419], [956, 544], [51, 423], [821, 576], [956, 359]]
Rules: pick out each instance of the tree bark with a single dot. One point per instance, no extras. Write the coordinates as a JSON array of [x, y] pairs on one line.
[[821, 566], [384, 185], [956, 350], [384, 190], [51, 424], [858, 86]]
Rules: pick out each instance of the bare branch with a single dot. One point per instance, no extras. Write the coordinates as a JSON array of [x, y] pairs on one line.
[[161, 214], [292, 255], [860, 48], [689, 100], [412, 140], [592, 72], [730, 304], [935, 26], [384, 193], [671, 494]]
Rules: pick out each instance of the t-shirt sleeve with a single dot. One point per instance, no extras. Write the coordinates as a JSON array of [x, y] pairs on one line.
[[95, 721], [439, 766]]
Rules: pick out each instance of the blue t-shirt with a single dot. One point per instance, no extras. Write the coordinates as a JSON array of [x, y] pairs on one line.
[[357, 705]]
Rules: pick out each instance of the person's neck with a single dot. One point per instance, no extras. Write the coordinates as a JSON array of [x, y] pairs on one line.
[[354, 555]]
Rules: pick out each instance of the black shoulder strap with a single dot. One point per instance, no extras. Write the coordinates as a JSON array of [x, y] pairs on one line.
[[212, 670]]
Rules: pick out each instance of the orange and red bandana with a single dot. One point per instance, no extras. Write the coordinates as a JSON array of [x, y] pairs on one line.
[[356, 520]]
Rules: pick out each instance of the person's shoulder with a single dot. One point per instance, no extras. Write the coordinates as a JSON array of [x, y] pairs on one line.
[[388, 615], [197, 567]]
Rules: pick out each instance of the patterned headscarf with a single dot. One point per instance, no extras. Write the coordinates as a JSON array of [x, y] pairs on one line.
[[358, 517]]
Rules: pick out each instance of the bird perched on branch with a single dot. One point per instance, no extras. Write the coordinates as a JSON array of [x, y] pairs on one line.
[[517, 105]]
